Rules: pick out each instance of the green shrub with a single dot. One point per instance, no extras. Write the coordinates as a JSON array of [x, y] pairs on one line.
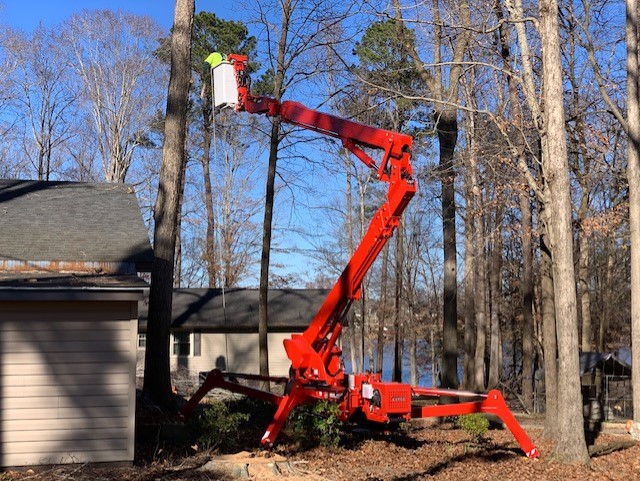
[[217, 428], [260, 412], [317, 424], [475, 424]]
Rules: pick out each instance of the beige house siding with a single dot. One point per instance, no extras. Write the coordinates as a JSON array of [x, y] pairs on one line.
[[232, 352], [279, 363], [67, 382]]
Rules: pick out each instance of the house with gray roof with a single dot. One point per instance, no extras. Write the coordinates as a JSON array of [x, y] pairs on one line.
[[218, 328], [70, 254]]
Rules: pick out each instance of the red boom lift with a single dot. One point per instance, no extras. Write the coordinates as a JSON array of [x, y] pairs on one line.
[[316, 367]]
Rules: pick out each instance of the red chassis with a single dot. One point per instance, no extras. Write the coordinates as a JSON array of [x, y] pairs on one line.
[[316, 368]]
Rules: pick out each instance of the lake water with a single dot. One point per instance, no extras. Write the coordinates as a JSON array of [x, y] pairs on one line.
[[423, 362]]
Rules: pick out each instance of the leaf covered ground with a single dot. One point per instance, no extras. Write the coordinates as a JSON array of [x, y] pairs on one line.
[[419, 451]]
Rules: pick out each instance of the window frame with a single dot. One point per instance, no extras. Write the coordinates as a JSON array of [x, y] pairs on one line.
[[181, 343], [197, 343]]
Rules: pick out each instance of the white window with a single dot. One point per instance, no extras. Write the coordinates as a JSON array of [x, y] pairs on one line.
[[197, 343], [142, 340], [181, 343]]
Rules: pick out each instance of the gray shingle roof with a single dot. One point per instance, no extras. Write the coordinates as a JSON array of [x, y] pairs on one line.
[[237, 310], [72, 222]]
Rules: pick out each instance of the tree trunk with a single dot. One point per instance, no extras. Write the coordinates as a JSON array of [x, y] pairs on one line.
[[177, 274], [382, 310], [527, 222], [495, 276], [605, 318], [398, 331], [633, 177], [363, 323], [447, 128], [353, 343], [468, 372], [470, 260], [209, 249], [480, 297], [413, 349], [157, 380], [570, 442], [263, 298], [583, 281], [349, 227], [434, 366], [274, 143], [527, 301], [549, 339]]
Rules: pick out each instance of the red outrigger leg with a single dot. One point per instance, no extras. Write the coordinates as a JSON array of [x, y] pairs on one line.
[[491, 403]]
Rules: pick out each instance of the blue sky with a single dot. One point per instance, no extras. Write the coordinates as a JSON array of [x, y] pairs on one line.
[[27, 14]]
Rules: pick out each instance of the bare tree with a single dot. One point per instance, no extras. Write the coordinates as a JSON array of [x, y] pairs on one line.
[[445, 96], [630, 124], [267, 226], [570, 443], [212, 34], [236, 171], [470, 257], [113, 55], [157, 381], [540, 189], [45, 97], [302, 28]]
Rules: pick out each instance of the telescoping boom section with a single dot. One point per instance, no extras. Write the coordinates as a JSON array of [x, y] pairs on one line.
[[316, 359]]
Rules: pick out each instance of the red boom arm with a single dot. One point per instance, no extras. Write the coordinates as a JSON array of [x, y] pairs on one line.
[[314, 354]]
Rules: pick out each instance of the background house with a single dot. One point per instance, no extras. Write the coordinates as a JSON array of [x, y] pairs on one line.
[[215, 328], [69, 293]]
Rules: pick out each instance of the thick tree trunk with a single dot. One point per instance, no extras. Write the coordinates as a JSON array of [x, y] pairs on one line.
[[157, 380], [633, 177], [570, 443], [447, 128]]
